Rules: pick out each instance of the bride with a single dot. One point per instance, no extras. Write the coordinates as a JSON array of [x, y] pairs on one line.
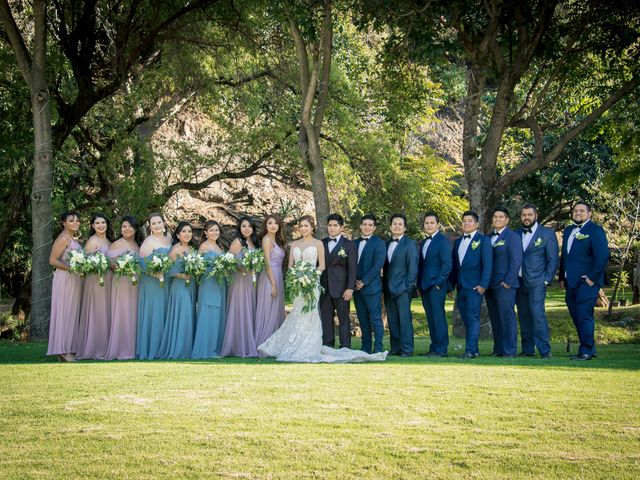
[[299, 339]]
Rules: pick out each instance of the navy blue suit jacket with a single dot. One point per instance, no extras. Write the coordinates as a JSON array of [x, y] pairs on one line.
[[370, 265], [435, 268], [476, 266], [507, 259], [401, 273], [589, 255], [540, 259]]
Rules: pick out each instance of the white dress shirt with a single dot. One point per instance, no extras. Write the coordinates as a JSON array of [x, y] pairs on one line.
[[572, 236], [392, 248], [526, 240], [494, 237], [363, 243], [333, 242], [427, 243], [464, 245]]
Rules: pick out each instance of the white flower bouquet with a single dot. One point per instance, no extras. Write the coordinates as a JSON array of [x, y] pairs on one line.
[[194, 266], [253, 262], [98, 264], [77, 262], [127, 265], [302, 281], [223, 267], [159, 264]]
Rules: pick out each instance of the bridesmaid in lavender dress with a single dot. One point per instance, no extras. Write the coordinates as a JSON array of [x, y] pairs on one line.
[[124, 295], [152, 298], [66, 291], [270, 291], [92, 335], [239, 336], [212, 299], [177, 339]]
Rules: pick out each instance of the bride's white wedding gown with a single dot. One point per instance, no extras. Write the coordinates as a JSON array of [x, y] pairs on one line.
[[299, 339]]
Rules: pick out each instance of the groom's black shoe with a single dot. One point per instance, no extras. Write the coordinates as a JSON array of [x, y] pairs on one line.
[[582, 357], [392, 354]]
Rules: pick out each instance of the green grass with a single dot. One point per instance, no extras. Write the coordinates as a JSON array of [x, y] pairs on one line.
[[406, 418]]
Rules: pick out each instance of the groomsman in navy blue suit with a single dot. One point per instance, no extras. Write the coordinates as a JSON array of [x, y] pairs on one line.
[[400, 273], [539, 265], [501, 296], [585, 253], [368, 295], [433, 273], [471, 273]]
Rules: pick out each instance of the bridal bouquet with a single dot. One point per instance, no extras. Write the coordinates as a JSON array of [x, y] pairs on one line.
[[77, 262], [223, 267], [126, 265], [195, 266], [253, 261], [159, 264], [302, 281], [98, 264]]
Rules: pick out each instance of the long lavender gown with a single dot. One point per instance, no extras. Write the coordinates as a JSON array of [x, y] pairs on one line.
[[92, 335], [239, 337], [124, 315], [210, 323], [65, 306], [270, 310]]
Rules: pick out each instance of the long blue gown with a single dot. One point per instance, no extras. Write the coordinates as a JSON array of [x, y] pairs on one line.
[[211, 319], [177, 340], [152, 307]]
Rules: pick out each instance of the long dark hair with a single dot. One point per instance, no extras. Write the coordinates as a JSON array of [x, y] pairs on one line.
[[207, 225], [280, 235], [179, 228], [108, 233], [131, 220], [254, 235]]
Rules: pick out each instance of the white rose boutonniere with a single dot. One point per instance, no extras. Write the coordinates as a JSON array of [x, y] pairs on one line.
[[581, 236], [342, 253], [498, 244], [538, 242], [475, 244]]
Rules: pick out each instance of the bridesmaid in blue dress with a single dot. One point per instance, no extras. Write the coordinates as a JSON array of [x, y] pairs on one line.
[[212, 299], [270, 290], [152, 299], [177, 339], [239, 335]]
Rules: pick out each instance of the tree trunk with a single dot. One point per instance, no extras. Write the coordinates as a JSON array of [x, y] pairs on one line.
[[636, 281], [319, 186], [41, 211]]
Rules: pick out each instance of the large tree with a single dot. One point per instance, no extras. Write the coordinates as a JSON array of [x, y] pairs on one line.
[[547, 69]]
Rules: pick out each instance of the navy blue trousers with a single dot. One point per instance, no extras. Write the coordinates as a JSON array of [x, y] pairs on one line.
[[369, 311], [501, 303], [400, 323], [433, 302], [581, 301], [534, 329], [469, 304]]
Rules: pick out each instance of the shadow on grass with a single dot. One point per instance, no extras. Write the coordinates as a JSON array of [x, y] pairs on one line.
[[617, 357]]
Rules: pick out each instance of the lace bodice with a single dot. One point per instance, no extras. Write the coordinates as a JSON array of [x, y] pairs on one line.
[[308, 255]]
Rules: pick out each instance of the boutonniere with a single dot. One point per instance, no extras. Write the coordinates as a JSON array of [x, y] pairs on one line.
[[538, 242], [475, 244], [498, 244], [581, 236], [342, 253]]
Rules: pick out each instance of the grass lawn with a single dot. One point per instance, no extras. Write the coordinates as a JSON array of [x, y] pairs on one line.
[[406, 418]]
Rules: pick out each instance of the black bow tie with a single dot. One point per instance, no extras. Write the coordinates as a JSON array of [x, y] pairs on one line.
[[527, 230], [578, 225], [395, 239], [466, 236], [428, 237], [495, 233], [333, 239], [364, 239]]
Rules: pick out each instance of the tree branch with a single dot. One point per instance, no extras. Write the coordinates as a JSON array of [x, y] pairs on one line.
[[23, 58], [326, 46]]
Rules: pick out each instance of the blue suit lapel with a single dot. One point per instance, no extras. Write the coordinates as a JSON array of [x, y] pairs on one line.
[[475, 238]]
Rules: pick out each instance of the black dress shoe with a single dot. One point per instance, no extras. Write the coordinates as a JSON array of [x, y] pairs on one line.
[[469, 355], [582, 357], [545, 356], [496, 354], [523, 354], [393, 354], [406, 354], [437, 354], [507, 356]]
